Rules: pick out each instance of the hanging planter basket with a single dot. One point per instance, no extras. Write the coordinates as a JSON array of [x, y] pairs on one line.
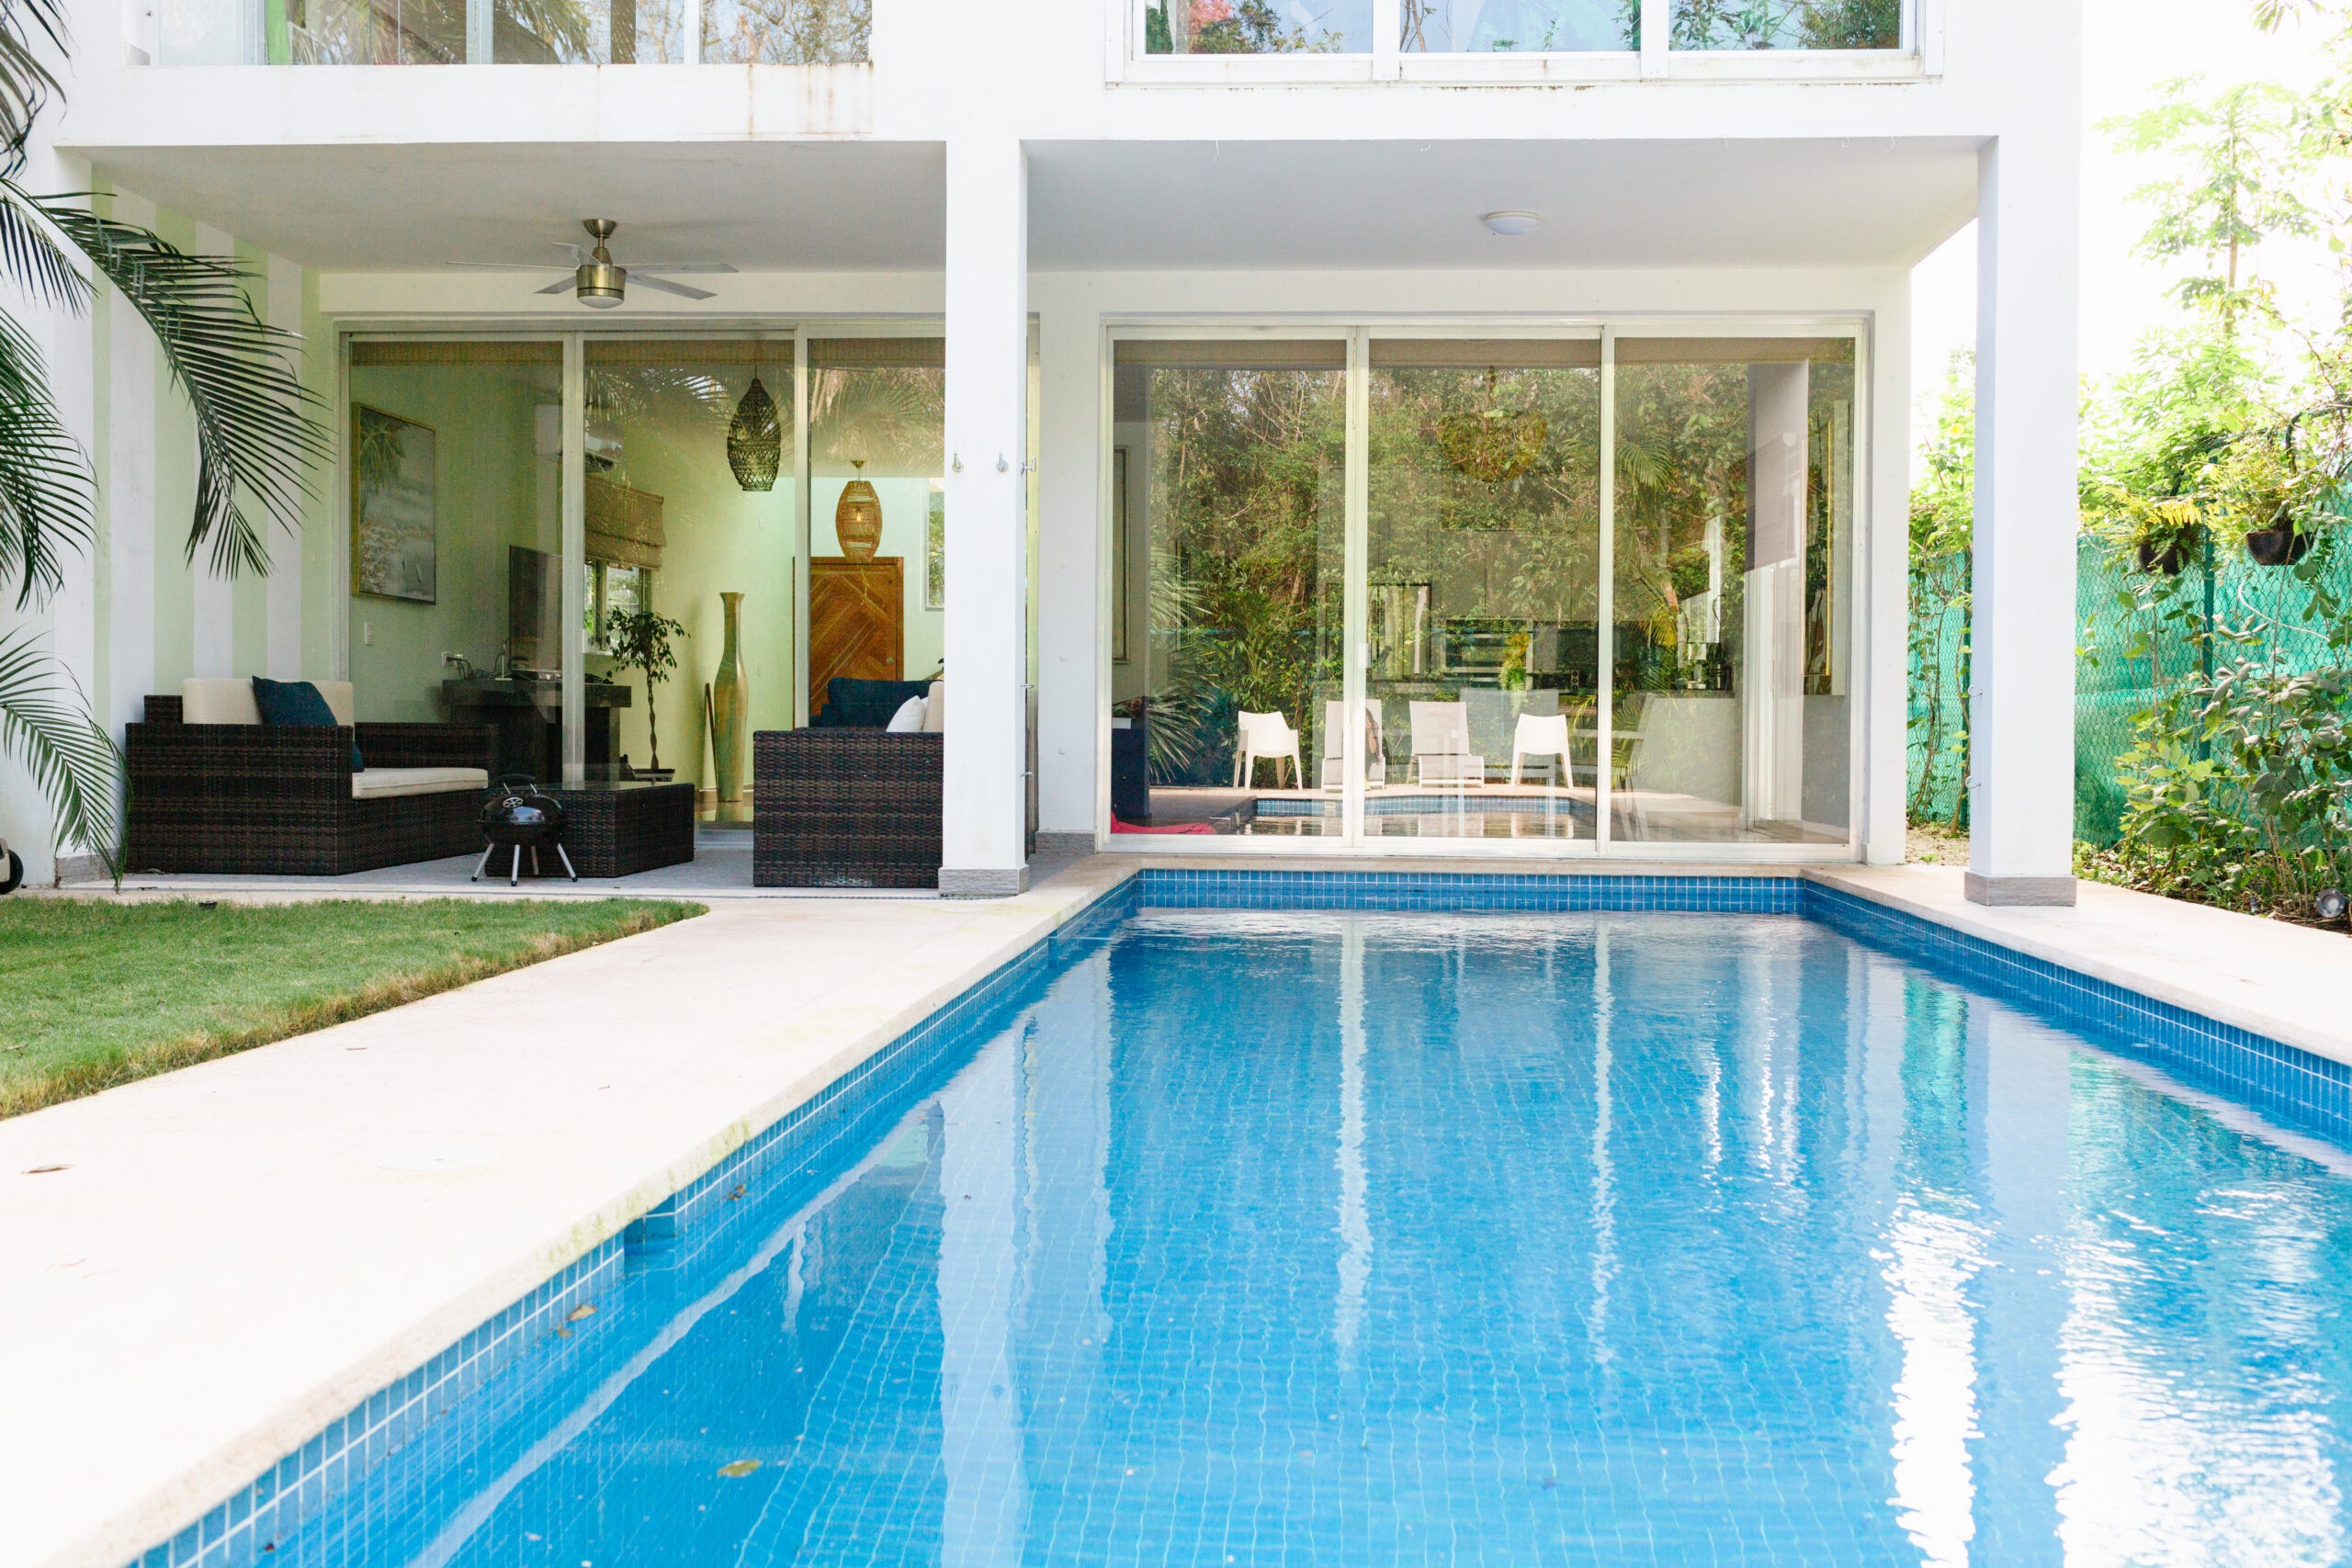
[[2171, 557], [2278, 547]]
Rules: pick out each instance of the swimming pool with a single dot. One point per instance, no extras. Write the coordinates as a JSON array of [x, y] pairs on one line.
[[1294, 1236]]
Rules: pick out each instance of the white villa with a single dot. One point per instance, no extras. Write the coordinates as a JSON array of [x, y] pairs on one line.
[[1526, 379]]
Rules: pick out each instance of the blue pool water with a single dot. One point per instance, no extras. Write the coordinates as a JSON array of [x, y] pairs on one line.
[[1345, 1238]]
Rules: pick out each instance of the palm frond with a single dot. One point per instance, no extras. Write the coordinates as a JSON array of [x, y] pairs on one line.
[[45, 478], [26, 81], [256, 431], [47, 725], [32, 258]]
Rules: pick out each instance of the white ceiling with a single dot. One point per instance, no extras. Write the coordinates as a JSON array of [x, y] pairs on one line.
[[849, 205], [758, 205], [1723, 203]]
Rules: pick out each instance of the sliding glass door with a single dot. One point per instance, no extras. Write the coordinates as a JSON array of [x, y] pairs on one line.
[[1578, 591]]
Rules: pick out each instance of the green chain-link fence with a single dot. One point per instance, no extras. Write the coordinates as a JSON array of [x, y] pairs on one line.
[[2112, 681]]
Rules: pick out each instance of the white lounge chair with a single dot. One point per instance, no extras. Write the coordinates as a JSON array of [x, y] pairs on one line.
[[1441, 753], [1266, 737]]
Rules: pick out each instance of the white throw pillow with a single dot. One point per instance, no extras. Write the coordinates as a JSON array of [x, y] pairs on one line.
[[934, 712], [908, 719]]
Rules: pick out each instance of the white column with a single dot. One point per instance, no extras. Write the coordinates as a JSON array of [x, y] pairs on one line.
[[988, 372], [2021, 705], [1883, 651], [1073, 585]]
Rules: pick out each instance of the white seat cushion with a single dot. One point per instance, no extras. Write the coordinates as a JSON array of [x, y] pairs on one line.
[[216, 699], [378, 783]]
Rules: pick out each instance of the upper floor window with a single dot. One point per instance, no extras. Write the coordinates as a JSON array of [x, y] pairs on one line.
[[1588, 28], [520, 33]]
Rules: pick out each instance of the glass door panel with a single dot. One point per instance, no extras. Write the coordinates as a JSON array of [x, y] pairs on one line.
[[1227, 541], [1733, 550], [689, 505], [1483, 598], [877, 512], [456, 454]]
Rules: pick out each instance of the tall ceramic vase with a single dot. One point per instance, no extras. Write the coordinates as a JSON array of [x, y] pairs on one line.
[[730, 709]]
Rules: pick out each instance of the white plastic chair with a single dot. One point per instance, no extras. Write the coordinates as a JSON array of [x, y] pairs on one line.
[[1266, 737], [1441, 751], [1541, 735], [1334, 721]]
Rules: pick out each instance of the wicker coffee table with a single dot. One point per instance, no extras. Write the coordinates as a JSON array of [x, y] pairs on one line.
[[626, 826]]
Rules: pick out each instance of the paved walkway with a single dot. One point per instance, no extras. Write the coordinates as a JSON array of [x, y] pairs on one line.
[[234, 1254]]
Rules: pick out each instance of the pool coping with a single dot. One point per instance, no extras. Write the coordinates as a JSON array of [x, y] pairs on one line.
[[2067, 941]]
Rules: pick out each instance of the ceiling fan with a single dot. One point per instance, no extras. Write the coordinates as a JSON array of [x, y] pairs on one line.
[[599, 282]]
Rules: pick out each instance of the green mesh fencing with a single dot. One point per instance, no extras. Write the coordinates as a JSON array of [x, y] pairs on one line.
[[2267, 608]]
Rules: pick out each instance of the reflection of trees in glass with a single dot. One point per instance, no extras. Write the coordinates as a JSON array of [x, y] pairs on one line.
[[787, 32], [891, 418], [680, 408], [1244, 508], [1524, 26], [1231, 27], [433, 32], [1788, 24], [1522, 549]]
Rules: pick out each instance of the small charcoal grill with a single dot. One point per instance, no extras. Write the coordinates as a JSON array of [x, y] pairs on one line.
[[518, 817]]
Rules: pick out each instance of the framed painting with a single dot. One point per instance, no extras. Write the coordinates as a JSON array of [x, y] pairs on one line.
[[935, 549], [392, 552]]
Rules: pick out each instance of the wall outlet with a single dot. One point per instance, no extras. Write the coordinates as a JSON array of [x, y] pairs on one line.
[[367, 633]]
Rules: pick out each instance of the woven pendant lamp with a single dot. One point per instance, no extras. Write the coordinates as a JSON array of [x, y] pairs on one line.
[[755, 440]]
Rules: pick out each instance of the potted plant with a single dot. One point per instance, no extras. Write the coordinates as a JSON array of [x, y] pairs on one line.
[[640, 641], [2166, 533]]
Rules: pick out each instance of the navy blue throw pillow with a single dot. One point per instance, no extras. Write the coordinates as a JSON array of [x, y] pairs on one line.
[[298, 703], [853, 704]]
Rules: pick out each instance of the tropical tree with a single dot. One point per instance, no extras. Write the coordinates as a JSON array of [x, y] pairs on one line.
[[256, 431]]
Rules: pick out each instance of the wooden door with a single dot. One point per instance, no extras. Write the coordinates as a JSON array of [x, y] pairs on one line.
[[857, 613]]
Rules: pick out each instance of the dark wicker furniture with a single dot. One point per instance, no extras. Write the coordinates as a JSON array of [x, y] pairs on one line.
[[625, 827], [845, 809], [256, 799]]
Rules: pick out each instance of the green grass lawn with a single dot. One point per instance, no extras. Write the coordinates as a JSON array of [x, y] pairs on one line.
[[95, 993]]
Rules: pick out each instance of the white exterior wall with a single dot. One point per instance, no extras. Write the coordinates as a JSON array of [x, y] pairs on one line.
[[979, 176]]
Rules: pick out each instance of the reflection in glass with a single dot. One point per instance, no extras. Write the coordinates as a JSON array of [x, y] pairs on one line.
[[530, 32], [785, 32], [1733, 523], [1482, 605], [1521, 26], [456, 460], [1257, 27], [670, 527], [1787, 24], [877, 432], [1235, 516]]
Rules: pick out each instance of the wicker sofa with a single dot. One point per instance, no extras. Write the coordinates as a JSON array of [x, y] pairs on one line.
[[238, 797], [846, 806]]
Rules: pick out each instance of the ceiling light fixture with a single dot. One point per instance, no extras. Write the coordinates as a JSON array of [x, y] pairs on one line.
[[1511, 224], [599, 283]]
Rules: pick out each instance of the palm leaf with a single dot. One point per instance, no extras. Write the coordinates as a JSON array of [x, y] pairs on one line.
[[255, 432], [25, 80], [45, 479], [48, 727]]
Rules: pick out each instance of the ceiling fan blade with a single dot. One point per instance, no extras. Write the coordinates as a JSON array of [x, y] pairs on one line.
[[683, 290], [679, 267], [560, 285], [502, 267]]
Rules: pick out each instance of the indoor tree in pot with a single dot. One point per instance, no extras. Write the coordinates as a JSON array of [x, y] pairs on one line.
[[640, 641]]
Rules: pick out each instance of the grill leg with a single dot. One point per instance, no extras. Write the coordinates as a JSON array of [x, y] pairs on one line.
[[483, 864], [515, 867], [535, 860], [565, 855]]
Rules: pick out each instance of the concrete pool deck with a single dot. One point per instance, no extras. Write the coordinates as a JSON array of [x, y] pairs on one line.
[[233, 1255]]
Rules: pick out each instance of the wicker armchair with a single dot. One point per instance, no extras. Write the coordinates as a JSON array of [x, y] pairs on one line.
[[255, 799], [845, 809]]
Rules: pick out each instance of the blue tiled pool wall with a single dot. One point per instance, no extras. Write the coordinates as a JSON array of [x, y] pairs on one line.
[[1529, 893], [790, 1162], [421, 1417]]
